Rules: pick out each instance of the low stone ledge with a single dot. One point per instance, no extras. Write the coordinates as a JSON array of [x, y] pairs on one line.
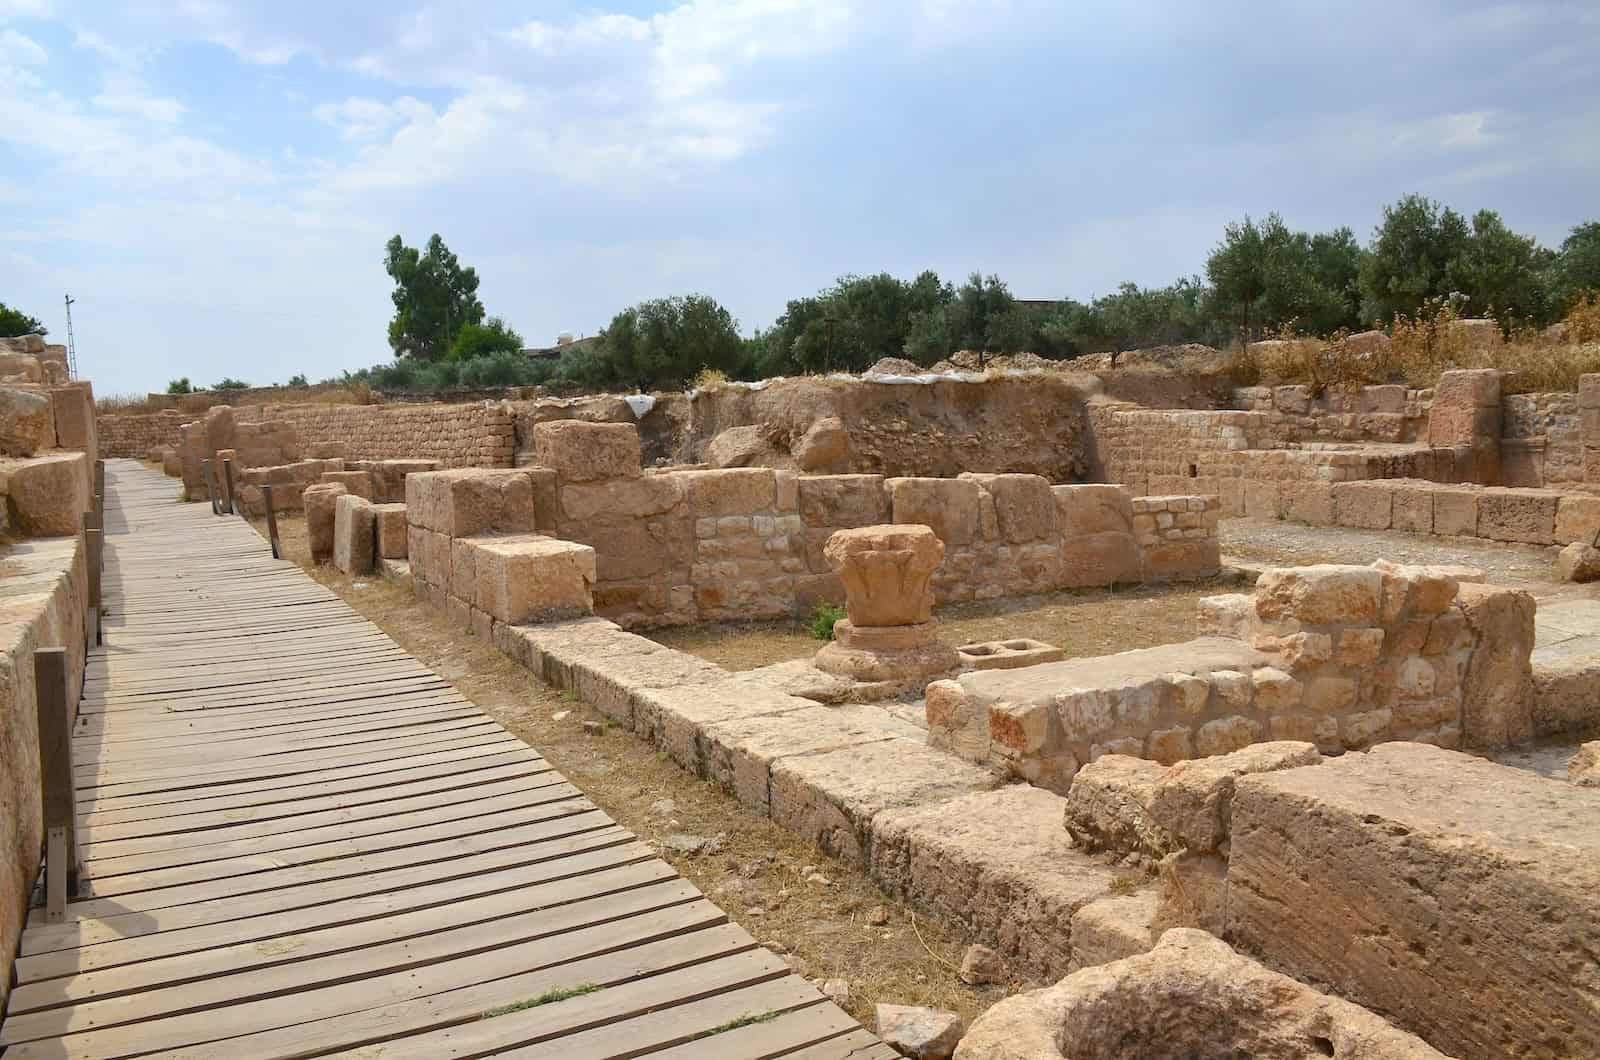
[[1109, 929], [998, 865]]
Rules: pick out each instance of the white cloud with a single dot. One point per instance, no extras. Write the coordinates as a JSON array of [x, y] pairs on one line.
[[125, 93], [360, 118], [21, 49]]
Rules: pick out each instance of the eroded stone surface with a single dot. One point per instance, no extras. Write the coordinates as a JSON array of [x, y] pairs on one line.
[[1190, 996], [1458, 896]]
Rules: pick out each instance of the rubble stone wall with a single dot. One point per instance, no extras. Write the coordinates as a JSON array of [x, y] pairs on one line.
[[133, 435], [1369, 414], [1339, 656]]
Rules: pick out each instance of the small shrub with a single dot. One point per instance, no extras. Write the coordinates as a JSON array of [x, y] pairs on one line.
[[180, 385], [709, 379], [549, 997], [1582, 323], [823, 618]]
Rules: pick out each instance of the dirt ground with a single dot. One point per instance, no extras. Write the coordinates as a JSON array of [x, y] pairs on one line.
[[798, 901], [1092, 622], [1272, 542]]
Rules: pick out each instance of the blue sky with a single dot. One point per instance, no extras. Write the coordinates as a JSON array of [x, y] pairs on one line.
[[214, 182]]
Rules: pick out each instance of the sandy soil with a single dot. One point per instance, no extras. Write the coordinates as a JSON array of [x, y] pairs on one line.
[[797, 900]]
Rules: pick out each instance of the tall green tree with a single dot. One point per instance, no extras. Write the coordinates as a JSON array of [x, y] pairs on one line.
[[1237, 269], [1410, 258], [434, 298], [1576, 268], [14, 322], [666, 341], [1500, 271]]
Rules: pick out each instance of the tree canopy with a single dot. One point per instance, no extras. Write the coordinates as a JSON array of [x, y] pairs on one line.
[[481, 340], [14, 322], [667, 341], [434, 298]]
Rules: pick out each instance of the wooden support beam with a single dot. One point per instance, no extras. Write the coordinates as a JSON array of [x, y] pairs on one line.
[[211, 494], [94, 566], [57, 788], [227, 487], [272, 521]]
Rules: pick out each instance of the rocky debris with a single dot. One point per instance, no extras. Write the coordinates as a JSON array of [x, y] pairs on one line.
[[1190, 996], [740, 447], [879, 916], [825, 446], [593, 728], [692, 845], [1584, 769], [895, 366], [1579, 562], [1192, 800], [920, 1033], [837, 991], [981, 965]]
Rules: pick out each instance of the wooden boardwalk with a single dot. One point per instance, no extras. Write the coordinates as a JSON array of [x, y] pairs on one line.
[[302, 842]]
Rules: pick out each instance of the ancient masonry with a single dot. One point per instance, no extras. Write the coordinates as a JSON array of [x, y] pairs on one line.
[[1308, 779]]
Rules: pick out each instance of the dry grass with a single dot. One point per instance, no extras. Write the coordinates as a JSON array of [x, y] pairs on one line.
[[1422, 347], [759, 877], [1081, 623]]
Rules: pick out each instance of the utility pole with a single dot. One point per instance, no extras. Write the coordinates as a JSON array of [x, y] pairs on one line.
[[72, 348]]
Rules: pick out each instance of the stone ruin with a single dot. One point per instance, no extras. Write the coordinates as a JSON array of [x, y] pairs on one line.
[[1280, 838]]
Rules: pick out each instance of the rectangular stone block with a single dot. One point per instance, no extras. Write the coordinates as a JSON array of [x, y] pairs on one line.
[[1577, 519], [354, 535], [730, 491], [1413, 508], [73, 407], [1093, 509], [578, 451], [1363, 505], [464, 502], [392, 530], [1455, 512], [321, 504], [356, 483], [532, 579], [1517, 515], [842, 501], [1306, 502], [1025, 507], [949, 506], [1456, 896], [47, 495]]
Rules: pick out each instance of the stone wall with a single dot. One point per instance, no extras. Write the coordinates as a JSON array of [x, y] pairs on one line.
[[45, 602], [1368, 414], [1342, 657], [1541, 442], [134, 435]]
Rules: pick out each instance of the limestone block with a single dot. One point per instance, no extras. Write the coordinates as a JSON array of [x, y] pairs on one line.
[[1517, 515], [1024, 506], [389, 477], [886, 570], [356, 483], [321, 505], [1307, 502], [47, 495], [738, 754], [171, 463], [824, 447], [1093, 509], [1223, 735], [1584, 767], [528, 578], [1497, 688], [1108, 807], [919, 1033], [835, 501], [996, 864], [1100, 559], [1455, 512], [1413, 508], [956, 721], [20, 368], [832, 798], [734, 491], [1191, 891], [464, 502], [1468, 388], [1229, 615], [462, 583], [1113, 928], [354, 535], [1322, 594], [636, 498], [391, 530], [1189, 996], [948, 506], [582, 452], [1192, 801], [27, 425], [73, 410], [743, 446], [1363, 505], [1423, 882], [1577, 519]]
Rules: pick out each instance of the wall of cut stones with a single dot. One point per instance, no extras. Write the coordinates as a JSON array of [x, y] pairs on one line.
[[1339, 656]]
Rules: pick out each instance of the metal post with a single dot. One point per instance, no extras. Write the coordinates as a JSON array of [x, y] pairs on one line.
[[57, 789], [211, 494], [272, 521], [227, 487]]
